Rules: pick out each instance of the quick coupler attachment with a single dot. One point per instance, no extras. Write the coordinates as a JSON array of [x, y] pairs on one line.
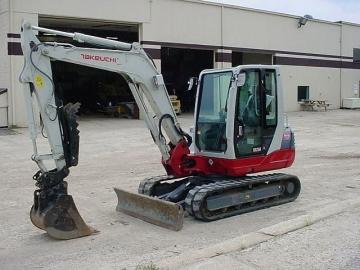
[[54, 211]]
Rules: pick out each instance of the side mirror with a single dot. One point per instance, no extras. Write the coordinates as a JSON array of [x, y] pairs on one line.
[[241, 79], [193, 81]]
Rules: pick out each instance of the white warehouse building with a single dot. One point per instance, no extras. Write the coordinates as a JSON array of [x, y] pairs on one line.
[[319, 59]]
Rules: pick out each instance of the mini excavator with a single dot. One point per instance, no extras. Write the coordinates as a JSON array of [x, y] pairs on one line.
[[239, 129]]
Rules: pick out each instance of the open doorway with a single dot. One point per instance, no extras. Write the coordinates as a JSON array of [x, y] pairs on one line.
[[177, 66], [99, 92]]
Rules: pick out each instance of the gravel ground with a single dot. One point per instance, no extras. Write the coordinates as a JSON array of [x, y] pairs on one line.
[[119, 152]]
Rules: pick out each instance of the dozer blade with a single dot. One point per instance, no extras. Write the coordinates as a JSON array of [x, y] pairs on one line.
[[61, 219], [150, 209]]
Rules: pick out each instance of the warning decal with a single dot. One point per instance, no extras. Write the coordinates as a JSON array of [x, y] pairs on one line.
[[39, 81]]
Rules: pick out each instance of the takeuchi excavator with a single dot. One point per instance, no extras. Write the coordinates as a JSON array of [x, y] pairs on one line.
[[239, 129]]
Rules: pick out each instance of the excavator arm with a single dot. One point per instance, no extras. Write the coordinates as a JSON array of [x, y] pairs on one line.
[[54, 210], [129, 60]]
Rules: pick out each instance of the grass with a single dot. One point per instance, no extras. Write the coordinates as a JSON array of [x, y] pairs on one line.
[[149, 266]]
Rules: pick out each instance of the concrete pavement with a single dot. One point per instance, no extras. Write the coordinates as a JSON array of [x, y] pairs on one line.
[[331, 244], [188, 259], [120, 153]]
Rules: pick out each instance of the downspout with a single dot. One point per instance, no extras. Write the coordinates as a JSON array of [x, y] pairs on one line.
[[11, 90], [341, 62], [151, 6], [222, 36], [221, 25]]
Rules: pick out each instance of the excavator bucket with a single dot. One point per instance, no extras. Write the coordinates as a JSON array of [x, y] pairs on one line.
[[60, 219], [150, 209]]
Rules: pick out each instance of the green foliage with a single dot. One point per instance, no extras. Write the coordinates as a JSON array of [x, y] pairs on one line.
[[149, 266]]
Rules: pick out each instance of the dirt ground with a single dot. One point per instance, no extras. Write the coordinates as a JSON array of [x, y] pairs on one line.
[[120, 153]]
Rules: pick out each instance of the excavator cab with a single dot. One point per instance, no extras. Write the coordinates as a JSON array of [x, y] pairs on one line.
[[238, 115]]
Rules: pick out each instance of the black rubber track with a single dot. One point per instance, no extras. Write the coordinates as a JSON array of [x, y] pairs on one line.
[[196, 200], [146, 186]]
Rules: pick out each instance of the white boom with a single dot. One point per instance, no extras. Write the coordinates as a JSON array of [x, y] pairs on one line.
[[129, 60]]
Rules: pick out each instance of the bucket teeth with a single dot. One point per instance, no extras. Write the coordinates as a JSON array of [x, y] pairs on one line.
[[150, 209], [61, 219]]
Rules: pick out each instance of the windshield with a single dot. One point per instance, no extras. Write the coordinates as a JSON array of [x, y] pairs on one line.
[[211, 121]]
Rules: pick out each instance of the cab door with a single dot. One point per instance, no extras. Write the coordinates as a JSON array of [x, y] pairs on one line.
[[255, 113], [211, 113]]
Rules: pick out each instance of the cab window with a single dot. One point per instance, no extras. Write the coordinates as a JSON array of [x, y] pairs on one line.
[[211, 118]]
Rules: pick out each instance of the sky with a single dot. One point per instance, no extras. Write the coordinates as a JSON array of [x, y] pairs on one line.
[[330, 10]]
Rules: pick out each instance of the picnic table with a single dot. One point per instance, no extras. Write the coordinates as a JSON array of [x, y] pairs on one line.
[[313, 105]]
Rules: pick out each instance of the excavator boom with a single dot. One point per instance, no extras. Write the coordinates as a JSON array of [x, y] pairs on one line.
[[54, 209]]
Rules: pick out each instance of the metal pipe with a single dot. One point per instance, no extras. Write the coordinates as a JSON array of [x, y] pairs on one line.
[[11, 93], [51, 31], [82, 38], [341, 59], [102, 42]]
